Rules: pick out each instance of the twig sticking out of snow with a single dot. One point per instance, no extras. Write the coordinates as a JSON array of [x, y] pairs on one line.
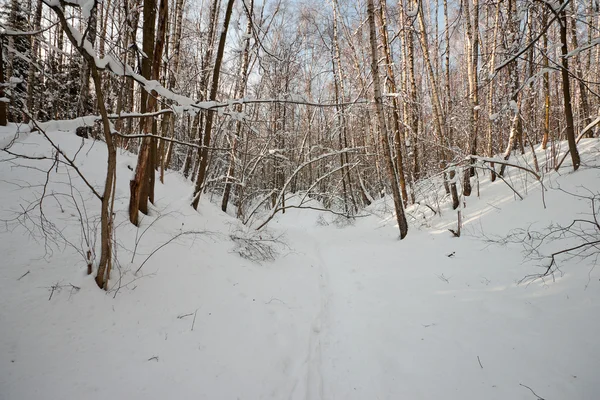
[[57, 287], [23, 276], [193, 233], [194, 321], [535, 394]]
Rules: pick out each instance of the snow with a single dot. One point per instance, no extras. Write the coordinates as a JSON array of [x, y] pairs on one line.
[[120, 69], [67, 125], [594, 42], [554, 5], [411, 13], [86, 7], [539, 74], [345, 311]]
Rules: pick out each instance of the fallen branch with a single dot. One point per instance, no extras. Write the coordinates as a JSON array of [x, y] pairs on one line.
[[553, 255], [426, 205], [583, 132], [23, 276], [503, 162], [194, 321], [166, 243], [503, 180]]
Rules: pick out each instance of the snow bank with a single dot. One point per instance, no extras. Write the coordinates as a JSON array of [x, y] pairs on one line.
[[342, 313]]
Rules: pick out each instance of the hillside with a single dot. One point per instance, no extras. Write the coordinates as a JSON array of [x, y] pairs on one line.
[[344, 310]]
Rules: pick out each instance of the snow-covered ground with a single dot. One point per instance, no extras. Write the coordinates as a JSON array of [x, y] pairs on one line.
[[344, 312]]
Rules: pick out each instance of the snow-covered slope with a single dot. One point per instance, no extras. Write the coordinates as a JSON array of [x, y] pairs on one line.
[[342, 313]]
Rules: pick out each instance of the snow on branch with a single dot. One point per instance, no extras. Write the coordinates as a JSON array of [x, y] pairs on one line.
[[575, 52], [281, 194], [502, 162], [10, 32], [186, 104], [556, 12]]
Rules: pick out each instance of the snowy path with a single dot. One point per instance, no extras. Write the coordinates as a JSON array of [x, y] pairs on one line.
[[364, 322], [314, 374], [407, 321]]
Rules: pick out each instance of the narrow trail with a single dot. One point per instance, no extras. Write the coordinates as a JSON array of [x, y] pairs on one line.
[[354, 302], [369, 327], [389, 315], [318, 330]]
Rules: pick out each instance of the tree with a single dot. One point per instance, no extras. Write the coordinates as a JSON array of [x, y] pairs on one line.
[[303, 80], [34, 53], [391, 81], [3, 100], [203, 162], [378, 109], [566, 87], [17, 68], [142, 185], [240, 90], [472, 68], [107, 196]]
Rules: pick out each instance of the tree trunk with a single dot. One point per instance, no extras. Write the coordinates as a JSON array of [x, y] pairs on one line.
[[203, 90], [163, 15], [411, 106], [3, 113], [546, 83], [584, 108], [107, 199], [472, 63], [169, 119], [398, 205], [209, 117], [391, 80], [436, 103], [438, 119], [138, 201], [566, 89], [31, 85], [490, 130], [338, 73], [239, 93], [85, 102], [516, 129]]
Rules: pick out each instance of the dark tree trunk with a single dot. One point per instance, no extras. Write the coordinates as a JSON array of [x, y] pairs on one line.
[[385, 141], [566, 89], [209, 117], [3, 113], [138, 185]]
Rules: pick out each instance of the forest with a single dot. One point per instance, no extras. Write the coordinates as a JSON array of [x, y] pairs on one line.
[[252, 102], [307, 136]]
